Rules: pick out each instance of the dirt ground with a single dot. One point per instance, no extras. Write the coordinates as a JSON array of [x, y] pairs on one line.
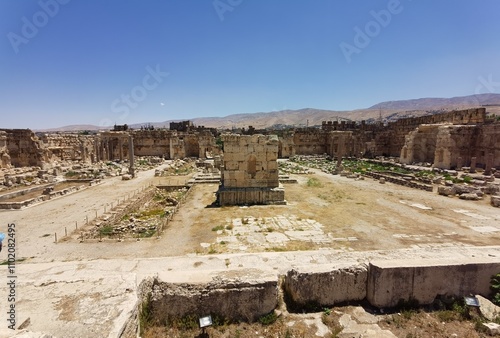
[[335, 213]]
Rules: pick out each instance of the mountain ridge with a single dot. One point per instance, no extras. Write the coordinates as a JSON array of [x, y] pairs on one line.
[[388, 111]]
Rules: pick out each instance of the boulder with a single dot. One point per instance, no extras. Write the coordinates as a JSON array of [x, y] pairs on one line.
[[491, 189], [447, 191], [464, 189], [495, 201], [469, 197], [489, 310]]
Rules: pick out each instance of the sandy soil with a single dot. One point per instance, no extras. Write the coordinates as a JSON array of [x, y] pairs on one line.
[[378, 216], [359, 216]]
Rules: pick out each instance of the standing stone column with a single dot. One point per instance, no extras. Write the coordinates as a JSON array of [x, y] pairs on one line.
[[108, 150], [489, 164], [459, 163], [472, 165], [120, 145], [131, 169]]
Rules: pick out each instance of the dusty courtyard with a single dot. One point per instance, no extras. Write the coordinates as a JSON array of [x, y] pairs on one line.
[[334, 213], [329, 218]]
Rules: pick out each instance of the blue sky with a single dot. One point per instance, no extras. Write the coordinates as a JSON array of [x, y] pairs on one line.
[[121, 61]]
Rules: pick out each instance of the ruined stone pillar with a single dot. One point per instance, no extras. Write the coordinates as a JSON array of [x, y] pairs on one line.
[[340, 154], [131, 169], [83, 152], [120, 145], [489, 164], [460, 163], [473, 165], [108, 150], [98, 151]]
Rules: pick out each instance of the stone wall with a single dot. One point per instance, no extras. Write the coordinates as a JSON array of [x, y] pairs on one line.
[[448, 140], [453, 146], [310, 142], [25, 149], [152, 143], [4, 152], [70, 147], [442, 139], [247, 294], [250, 161]]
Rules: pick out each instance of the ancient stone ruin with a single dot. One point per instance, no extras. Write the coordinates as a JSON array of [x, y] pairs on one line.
[[250, 171]]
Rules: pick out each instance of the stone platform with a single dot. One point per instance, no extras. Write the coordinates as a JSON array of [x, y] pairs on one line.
[[242, 196]]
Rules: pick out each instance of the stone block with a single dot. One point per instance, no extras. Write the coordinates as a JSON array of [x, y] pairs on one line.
[[495, 201], [390, 282], [272, 165], [325, 286], [232, 298], [446, 190], [470, 197]]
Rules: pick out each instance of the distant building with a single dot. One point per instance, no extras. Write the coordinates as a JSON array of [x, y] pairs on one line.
[[181, 126]]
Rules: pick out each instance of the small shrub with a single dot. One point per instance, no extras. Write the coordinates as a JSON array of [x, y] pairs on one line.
[[314, 182], [106, 230], [145, 315], [188, 322], [268, 319], [218, 227], [152, 213], [71, 174], [495, 287]]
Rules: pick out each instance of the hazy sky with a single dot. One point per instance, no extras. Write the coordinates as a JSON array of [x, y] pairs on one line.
[[121, 61]]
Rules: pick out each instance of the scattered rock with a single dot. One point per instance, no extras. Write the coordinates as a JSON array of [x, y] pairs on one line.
[[493, 329], [469, 197], [495, 201], [489, 310], [447, 191]]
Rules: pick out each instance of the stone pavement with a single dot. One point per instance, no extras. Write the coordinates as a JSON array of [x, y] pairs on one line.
[[96, 298]]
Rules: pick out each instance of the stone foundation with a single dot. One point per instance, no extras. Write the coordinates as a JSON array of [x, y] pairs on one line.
[[242, 196], [230, 299]]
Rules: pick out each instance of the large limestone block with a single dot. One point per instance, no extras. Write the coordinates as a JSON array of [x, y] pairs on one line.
[[272, 165], [237, 298], [389, 282], [326, 285]]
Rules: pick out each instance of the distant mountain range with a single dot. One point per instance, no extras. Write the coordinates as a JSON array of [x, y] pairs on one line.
[[438, 103], [387, 111]]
